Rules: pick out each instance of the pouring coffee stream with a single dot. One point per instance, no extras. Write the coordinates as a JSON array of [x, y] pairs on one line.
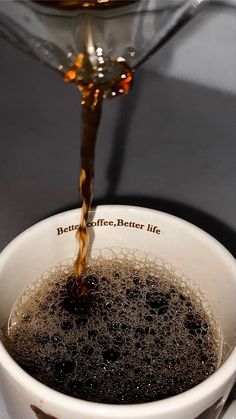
[[93, 93], [96, 44]]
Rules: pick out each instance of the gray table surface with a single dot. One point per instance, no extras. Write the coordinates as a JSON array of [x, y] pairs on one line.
[[168, 145]]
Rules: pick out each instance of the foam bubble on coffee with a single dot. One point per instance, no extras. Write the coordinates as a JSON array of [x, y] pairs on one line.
[[143, 333]]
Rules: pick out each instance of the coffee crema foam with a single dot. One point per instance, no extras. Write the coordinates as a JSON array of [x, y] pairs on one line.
[[144, 332]]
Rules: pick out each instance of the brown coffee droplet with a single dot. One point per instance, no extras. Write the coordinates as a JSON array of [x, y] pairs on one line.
[[41, 414]]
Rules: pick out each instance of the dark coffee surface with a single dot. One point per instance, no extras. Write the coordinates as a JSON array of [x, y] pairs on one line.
[[140, 335]]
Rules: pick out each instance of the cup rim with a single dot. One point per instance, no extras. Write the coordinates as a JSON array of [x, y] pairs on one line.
[[105, 411]]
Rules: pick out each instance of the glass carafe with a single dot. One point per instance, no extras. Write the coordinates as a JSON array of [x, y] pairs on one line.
[[87, 40]]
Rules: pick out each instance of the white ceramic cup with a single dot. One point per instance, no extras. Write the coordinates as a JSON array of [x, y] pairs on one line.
[[189, 249]]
